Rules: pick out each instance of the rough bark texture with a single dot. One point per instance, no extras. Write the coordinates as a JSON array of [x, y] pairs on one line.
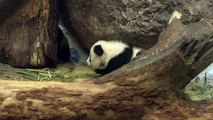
[[138, 22], [28, 31], [150, 87]]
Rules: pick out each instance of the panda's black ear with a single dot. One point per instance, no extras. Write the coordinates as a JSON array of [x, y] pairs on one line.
[[98, 50]]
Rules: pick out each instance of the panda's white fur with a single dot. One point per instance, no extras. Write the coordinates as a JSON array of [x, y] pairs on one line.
[[114, 55]]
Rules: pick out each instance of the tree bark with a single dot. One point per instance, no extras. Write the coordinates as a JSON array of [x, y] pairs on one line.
[[181, 53], [28, 37], [150, 87]]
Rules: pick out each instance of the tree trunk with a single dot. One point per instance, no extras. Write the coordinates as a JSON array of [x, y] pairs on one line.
[[28, 37], [150, 87]]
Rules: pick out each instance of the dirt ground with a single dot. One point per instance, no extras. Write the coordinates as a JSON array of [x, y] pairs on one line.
[[63, 72]]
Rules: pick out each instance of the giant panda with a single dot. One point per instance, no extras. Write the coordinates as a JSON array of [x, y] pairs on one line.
[[106, 56]]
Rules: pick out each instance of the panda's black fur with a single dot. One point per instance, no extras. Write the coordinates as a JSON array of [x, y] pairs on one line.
[[110, 55]]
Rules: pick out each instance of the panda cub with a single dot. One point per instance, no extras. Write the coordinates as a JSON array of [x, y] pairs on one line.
[[106, 56]]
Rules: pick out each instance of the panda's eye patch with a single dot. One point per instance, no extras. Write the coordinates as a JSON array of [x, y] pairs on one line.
[[98, 50]]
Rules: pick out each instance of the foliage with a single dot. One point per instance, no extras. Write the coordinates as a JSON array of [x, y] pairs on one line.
[[205, 90]]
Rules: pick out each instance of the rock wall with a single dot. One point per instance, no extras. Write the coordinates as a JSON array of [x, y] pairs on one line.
[[138, 22]]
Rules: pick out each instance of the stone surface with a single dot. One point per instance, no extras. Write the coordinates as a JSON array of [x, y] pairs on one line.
[[138, 22]]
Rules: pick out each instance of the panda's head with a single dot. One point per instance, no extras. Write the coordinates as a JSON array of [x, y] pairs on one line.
[[106, 56], [97, 58]]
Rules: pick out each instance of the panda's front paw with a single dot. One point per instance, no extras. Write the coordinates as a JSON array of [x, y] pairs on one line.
[[140, 52]]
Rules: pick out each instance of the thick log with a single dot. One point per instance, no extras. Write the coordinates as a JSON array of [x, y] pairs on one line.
[[147, 88], [28, 33], [84, 100]]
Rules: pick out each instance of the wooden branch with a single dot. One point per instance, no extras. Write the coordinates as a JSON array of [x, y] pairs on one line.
[[182, 52], [29, 37]]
